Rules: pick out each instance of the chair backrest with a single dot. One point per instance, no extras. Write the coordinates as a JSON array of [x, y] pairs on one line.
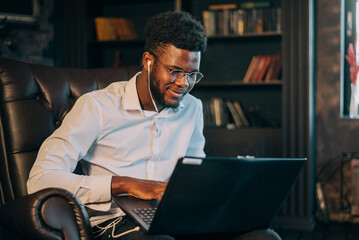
[[34, 99]]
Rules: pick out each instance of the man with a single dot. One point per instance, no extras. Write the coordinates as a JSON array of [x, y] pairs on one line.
[[130, 134]]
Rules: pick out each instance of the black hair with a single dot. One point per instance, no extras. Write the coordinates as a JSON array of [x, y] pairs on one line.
[[177, 28]]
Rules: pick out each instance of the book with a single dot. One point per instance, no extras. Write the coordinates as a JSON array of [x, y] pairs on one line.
[[259, 65], [120, 28], [209, 22], [226, 19], [241, 113], [271, 67], [222, 6], [240, 16], [264, 68], [218, 111], [278, 19], [258, 20], [218, 106], [236, 118], [226, 22], [99, 30], [111, 29], [131, 29], [125, 29], [248, 21], [206, 22], [255, 4], [250, 69], [207, 116], [220, 22], [216, 114], [104, 29], [274, 68]]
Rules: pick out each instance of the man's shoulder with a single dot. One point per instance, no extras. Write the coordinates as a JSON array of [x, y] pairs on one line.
[[115, 88], [111, 94]]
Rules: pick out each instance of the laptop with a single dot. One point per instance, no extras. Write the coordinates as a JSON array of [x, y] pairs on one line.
[[217, 195]]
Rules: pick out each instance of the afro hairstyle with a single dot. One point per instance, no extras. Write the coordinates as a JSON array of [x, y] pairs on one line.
[[177, 28]]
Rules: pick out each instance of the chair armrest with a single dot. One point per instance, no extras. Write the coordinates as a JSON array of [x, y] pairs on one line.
[[47, 214]]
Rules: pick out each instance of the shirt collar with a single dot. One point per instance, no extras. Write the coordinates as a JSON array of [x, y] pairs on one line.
[[131, 100]]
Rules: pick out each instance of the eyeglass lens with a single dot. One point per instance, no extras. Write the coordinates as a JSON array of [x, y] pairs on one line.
[[192, 78]]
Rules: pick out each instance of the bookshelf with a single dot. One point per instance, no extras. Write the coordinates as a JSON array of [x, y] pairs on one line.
[[292, 98], [224, 65]]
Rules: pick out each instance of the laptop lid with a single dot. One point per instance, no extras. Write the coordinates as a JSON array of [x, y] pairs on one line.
[[214, 195]]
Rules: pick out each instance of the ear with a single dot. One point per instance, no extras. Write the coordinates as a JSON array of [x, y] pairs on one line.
[[147, 58]]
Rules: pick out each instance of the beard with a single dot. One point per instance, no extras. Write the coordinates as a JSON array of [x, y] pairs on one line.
[[158, 95]]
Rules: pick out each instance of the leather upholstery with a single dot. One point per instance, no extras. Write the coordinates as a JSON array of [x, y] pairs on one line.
[[34, 99], [47, 214]]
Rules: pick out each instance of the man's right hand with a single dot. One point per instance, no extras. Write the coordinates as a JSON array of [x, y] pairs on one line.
[[140, 188]]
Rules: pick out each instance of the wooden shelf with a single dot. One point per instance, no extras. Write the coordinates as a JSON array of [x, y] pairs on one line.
[[246, 35], [237, 83]]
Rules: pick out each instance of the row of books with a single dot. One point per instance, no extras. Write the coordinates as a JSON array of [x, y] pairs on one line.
[[220, 112], [264, 68], [111, 29], [226, 20]]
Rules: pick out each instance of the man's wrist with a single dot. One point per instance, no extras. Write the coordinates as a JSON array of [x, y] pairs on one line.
[[118, 185]]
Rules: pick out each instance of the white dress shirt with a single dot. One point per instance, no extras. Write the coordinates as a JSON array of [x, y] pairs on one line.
[[111, 133]]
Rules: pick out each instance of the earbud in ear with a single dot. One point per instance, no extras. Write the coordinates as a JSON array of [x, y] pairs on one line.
[[149, 65]]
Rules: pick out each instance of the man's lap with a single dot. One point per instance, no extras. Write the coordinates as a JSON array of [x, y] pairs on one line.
[[125, 229]]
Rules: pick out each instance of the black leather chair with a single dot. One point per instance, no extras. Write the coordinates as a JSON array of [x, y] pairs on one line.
[[33, 102]]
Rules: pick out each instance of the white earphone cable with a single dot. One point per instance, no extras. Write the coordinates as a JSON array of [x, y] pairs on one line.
[[149, 87]]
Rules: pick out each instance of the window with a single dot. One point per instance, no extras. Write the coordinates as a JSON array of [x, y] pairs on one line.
[[27, 12]]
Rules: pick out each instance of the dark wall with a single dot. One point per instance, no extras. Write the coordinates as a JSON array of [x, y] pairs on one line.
[[334, 134], [31, 42]]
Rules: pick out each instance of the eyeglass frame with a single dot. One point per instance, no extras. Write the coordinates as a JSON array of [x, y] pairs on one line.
[[176, 78]]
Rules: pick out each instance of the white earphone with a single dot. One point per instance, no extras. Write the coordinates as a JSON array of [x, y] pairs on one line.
[[149, 85]]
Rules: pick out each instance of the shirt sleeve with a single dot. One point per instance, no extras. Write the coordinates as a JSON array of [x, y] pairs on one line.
[[61, 152], [196, 144]]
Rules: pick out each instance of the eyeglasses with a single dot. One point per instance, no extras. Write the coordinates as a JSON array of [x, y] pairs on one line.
[[191, 77]]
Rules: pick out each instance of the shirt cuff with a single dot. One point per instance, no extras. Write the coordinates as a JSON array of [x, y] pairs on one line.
[[102, 207], [100, 189]]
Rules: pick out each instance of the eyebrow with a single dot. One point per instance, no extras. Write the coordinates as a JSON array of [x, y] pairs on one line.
[[178, 68]]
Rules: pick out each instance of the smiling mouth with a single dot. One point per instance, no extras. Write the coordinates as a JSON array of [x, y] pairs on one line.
[[176, 94]]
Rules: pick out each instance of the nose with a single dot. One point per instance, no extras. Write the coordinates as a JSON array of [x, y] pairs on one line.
[[182, 80]]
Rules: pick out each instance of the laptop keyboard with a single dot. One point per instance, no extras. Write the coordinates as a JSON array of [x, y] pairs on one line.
[[146, 214]]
